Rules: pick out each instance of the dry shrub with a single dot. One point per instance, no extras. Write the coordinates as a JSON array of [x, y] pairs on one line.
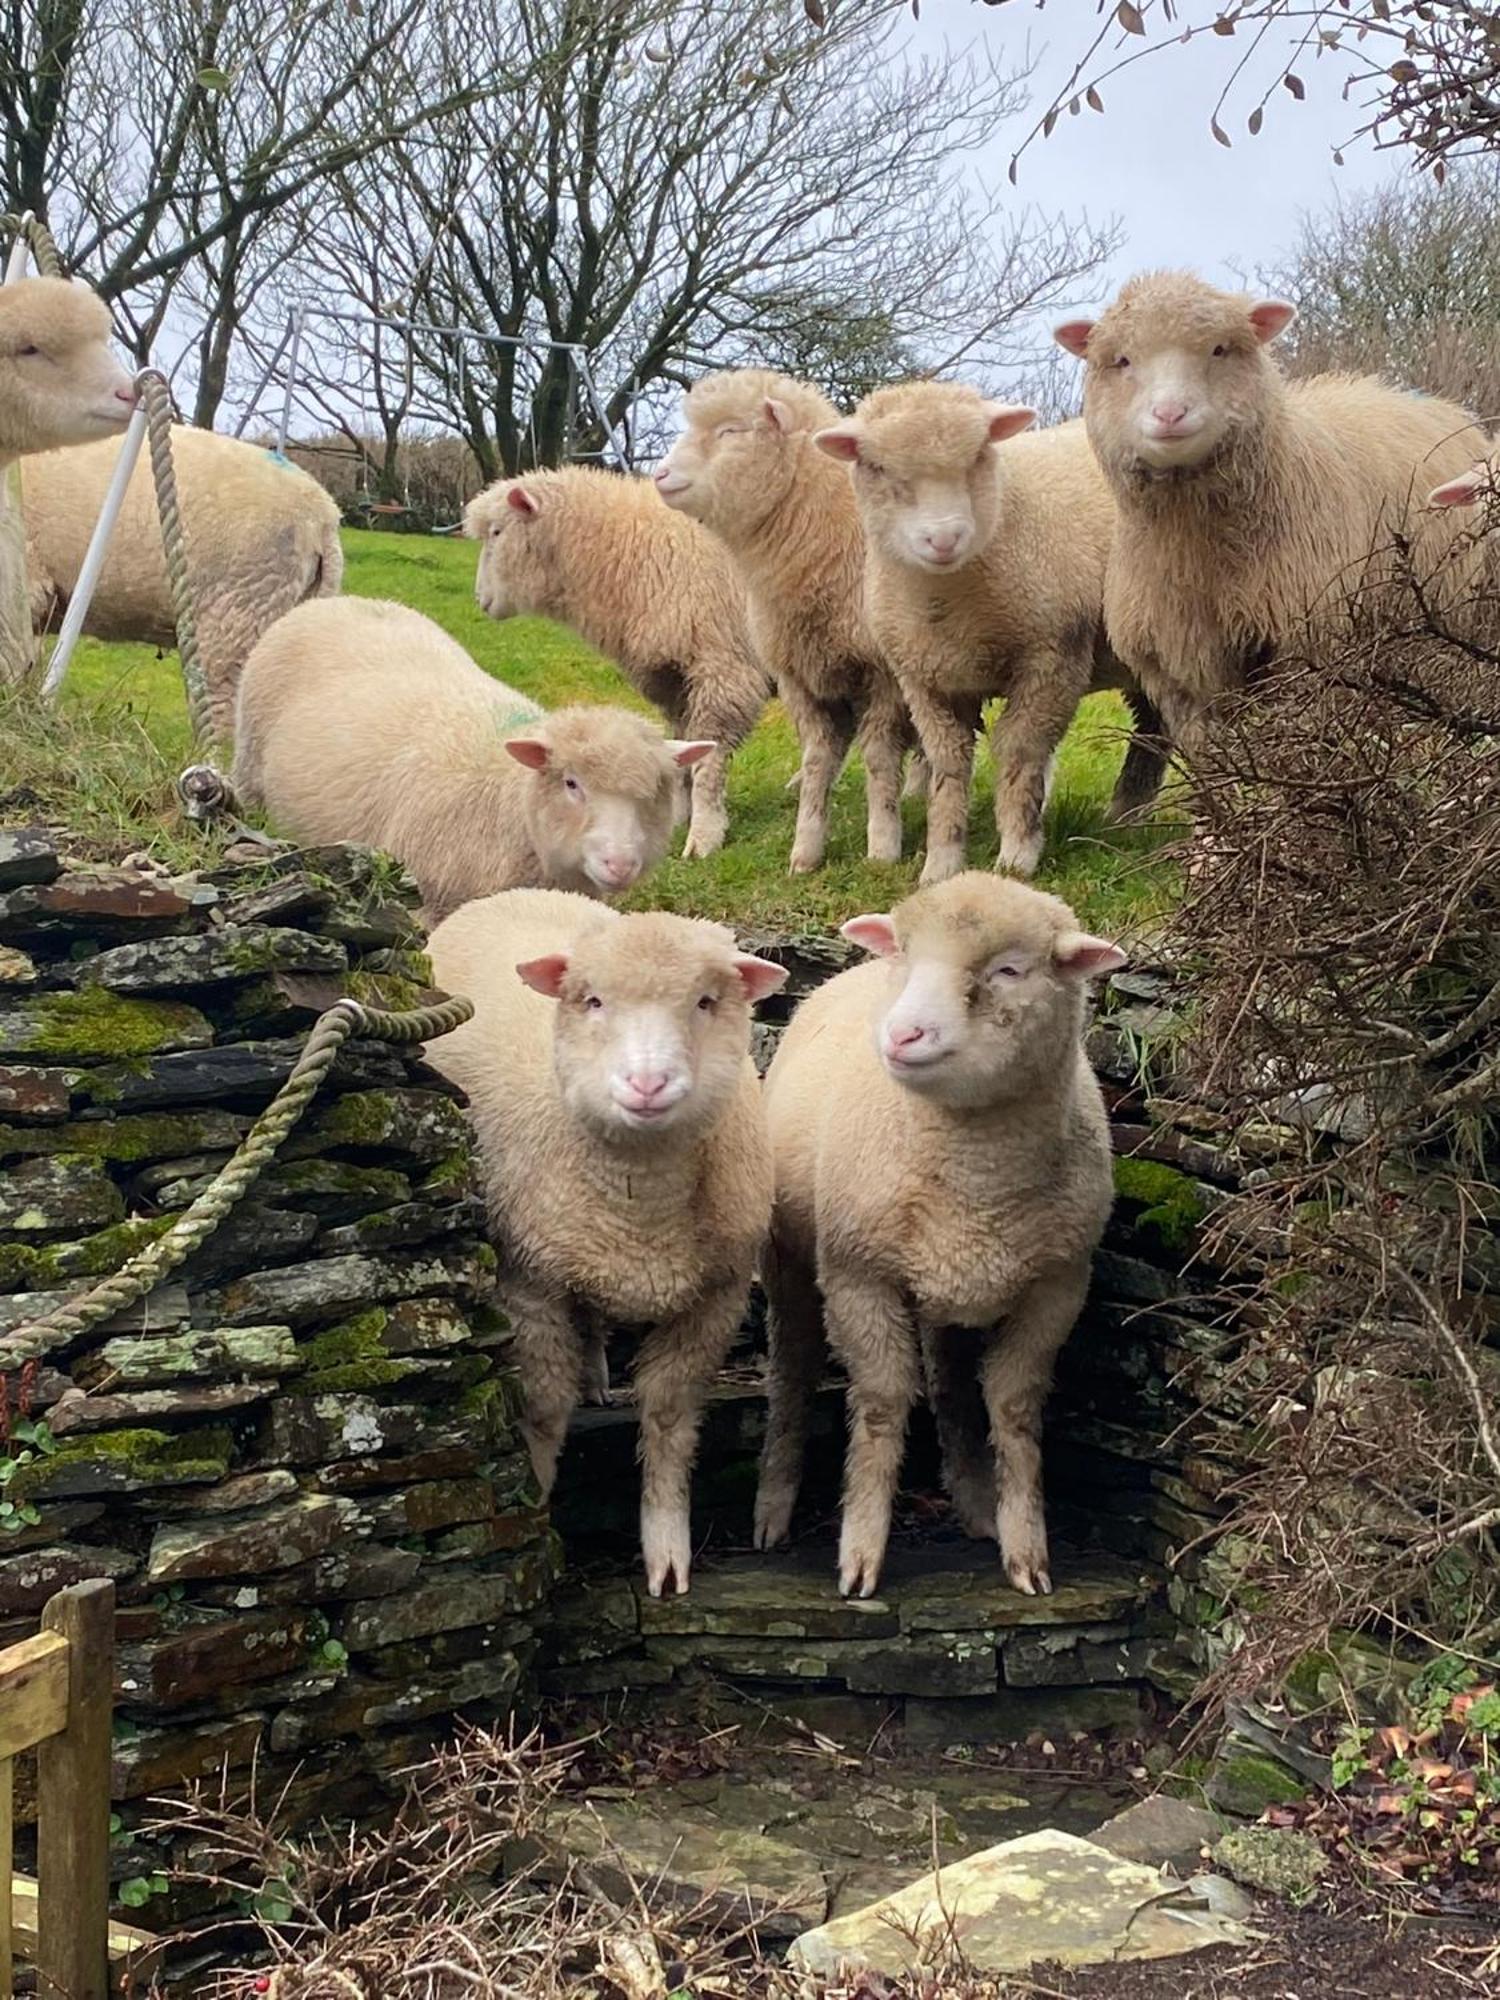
[[1342, 933]]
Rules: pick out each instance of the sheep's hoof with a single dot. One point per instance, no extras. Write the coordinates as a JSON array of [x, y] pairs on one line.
[[1029, 1576], [975, 1514], [804, 863], [859, 1574], [1021, 859], [883, 848], [666, 1544], [699, 845], [773, 1521], [941, 865]]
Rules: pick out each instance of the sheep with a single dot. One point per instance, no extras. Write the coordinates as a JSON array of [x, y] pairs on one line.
[[262, 536], [59, 383], [649, 588], [746, 467], [943, 1176], [624, 1156], [984, 575], [1248, 504], [361, 720]]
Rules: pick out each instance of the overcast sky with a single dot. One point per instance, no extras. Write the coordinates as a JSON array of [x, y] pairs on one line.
[[1150, 159]]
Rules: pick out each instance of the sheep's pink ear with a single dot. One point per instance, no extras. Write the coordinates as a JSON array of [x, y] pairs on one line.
[[1082, 956], [877, 934], [839, 441], [521, 500], [530, 751], [1006, 419], [1270, 317], [758, 976], [689, 753], [545, 975], [1460, 492], [1073, 334], [777, 414]]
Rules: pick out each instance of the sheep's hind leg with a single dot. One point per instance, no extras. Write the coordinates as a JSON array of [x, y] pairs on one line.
[[797, 1351], [871, 1332], [1145, 761], [824, 733], [550, 1362], [884, 732], [950, 1362], [1016, 1373], [947, 732], [1024, 743], [677, 1364]]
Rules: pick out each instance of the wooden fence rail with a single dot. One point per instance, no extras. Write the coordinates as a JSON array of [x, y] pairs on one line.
[[56, 1697]]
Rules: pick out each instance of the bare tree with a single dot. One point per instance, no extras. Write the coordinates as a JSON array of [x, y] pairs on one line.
[[1422, 74], [699, 187]]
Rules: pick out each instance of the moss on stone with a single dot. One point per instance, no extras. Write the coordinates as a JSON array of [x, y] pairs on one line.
[[144, 1457], [351, 1356], [454, 1174], [98, 1255], [1170, 1201], [384, 989], [1247, 1783], [1276, 1859], [95, 1023]]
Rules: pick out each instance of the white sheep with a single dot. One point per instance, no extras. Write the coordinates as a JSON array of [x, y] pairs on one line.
[[1248, 504], [747, 468], [625, 1160], [943, 1176], [986, 552], [362, 720], [59, 382], [261, 534], [650, 589]]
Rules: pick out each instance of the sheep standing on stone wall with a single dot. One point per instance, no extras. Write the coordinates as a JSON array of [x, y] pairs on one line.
[[747, 468], [1247, 503], [362, 720], [625, 1158], [650, 589], [262, 536], [59, 382], [985, 555], [943, 1176]]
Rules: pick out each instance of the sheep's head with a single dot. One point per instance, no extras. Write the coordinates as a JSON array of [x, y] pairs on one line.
[[59, 383], [513, 524], [1176, 371], [924, 466], [653, 1022], [600, 807], [987, 979], [748, 435]]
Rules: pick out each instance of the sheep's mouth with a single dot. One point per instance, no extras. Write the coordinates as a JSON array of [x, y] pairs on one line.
[[908, 1068]]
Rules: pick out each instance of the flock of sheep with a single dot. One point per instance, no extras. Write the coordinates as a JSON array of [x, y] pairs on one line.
[[925, 1173]]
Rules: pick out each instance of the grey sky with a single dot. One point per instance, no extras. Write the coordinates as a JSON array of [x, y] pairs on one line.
[[1150, 159]]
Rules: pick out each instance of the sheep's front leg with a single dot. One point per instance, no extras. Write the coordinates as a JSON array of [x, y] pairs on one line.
[[1035, 720], [795, 1365], [946, 728], [951, 1358], [723, 710], [1016, 1372], [1145, 760], [824, 733], [550, 1362], [870, 1330], [594, 1382], [885, 730], [677, 1364]]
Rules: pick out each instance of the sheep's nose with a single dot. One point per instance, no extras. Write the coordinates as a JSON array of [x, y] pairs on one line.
[[903, 1038], [647, 1086], [942, 541], [620, 868], [1168, 415], [127, 395]]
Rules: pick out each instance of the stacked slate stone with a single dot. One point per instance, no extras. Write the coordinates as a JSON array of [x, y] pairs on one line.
[[298, 1457], [1140, 1441]]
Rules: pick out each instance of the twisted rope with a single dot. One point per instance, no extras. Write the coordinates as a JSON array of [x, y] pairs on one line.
[[44, 252], [151, 385], [144, 1272]]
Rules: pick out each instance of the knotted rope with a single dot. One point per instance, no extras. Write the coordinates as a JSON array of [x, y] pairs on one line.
[[39, 240], [234, 1180]]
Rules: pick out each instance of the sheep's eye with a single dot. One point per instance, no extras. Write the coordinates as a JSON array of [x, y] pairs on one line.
[[1220, 351], [1122, 361], [706, 1004], [731, 430], [23, 352], [571, 786], [593, 1003], [1005, 972]]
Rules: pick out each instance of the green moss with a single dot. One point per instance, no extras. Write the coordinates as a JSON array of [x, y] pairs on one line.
[[363, 1118], [351, 1355], [385, 990], [1247, 1784], [142, 1136], [96, 1023], [145, 1456], [452, 1176], [1278, 1860], [17, 1262], [98, 1255], [356, 1375], [1170, 1201]]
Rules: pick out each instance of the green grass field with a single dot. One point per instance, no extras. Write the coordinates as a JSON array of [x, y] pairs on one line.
[[106, 762]]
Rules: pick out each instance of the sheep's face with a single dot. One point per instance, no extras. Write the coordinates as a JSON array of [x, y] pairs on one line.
[[516, 573], [653, 1023], [602, 800], [925, 471], [986, 981], [1176, 371], [747, 437], [59, 383]]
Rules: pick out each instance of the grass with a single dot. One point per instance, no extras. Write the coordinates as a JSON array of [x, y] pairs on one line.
[[106, 761]]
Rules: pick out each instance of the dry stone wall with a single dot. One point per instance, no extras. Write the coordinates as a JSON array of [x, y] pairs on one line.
[[298, 1458]]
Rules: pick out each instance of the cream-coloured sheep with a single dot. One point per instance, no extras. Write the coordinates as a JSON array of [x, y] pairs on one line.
[[1247, 503], [59, 382], [747, 468], [625, 1160], [650, 589], [361, 720], [985, 555], [261, 537], [943, 1176]]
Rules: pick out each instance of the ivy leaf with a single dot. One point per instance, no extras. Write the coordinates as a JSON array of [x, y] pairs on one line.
[[212, 79], [136, 1892]]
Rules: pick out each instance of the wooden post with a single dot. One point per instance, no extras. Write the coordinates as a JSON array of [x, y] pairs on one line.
[[73, 1803], [7, 1871]]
